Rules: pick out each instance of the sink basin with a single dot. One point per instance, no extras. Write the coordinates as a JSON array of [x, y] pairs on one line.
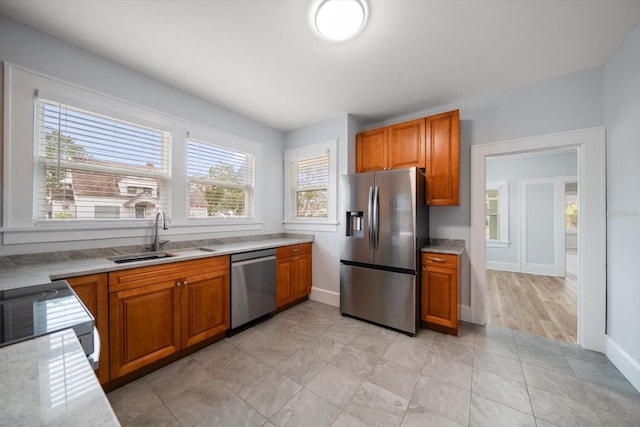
[[144, 256]]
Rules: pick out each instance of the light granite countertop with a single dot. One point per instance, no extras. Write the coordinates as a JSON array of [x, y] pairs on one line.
[[445, 246], [48, 381], [27, 270]]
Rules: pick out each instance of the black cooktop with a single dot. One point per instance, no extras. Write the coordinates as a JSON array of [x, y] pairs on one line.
[[39, 310]]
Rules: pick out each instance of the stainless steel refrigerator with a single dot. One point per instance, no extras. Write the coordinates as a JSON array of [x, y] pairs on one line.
[[385, 223]]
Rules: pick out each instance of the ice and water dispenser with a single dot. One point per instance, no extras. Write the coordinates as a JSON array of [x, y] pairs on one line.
[[355, 224]]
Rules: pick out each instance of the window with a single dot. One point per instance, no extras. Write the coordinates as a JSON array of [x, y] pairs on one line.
[[221, 181], [497, 214], [571, 207], [492, 198], [88, 163], [310, 187]]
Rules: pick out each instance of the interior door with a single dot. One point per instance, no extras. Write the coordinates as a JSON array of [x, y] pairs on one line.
[[542, 248]]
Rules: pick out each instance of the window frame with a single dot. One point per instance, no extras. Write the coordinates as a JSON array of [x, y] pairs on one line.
[[233, 143], [291, 159], [503, 210], [163, 174], [19, 228]]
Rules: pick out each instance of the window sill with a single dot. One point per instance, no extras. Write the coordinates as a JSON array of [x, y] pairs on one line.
[[497, 244], [311, 226]]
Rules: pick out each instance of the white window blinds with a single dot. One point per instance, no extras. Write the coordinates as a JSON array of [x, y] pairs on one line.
[[94, 167], [311, 191], [221, 181], [492, 212]]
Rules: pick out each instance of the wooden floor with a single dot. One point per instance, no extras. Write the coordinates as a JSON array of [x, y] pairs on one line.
[[538, 305]]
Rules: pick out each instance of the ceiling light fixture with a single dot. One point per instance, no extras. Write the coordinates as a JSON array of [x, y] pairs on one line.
[[339, 20]]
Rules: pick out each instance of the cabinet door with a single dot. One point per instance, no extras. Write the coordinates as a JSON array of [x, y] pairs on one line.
[[406, 144], [302, 275], [144, 326], [371, 150], [443, 159], [205, 306], [284, 278], [440, 296], [92, 291]]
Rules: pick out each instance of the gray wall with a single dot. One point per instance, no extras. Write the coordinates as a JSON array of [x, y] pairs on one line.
[[512, 169], [622, 119], [569, 102], [32, 49]]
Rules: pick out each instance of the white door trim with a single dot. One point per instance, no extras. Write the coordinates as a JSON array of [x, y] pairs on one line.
[[591, 222], [558, 267]]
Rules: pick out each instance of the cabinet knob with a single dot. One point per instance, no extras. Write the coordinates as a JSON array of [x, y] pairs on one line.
[[185, 283], [178, 283], [437, 260], [424, 268]]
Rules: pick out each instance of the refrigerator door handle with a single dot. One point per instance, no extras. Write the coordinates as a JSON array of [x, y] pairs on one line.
[[370, 217], [376, 217]]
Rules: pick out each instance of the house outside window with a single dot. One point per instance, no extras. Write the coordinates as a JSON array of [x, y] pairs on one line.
[[91, 166], [497, 214], [311, 187]]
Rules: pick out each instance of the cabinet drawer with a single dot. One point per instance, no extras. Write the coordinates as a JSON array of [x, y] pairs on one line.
[[142, 276], [439, 260], [287, 251]]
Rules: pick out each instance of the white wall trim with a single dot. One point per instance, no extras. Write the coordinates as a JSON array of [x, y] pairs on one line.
[[503, 266], [325, 296], [465, 313], [540, 269], [628, 366], [592, 225]]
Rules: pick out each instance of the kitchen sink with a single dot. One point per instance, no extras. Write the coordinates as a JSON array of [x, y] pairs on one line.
[[143, 256]]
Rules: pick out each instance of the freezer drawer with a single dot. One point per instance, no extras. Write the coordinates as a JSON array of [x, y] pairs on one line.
[[384, 297]]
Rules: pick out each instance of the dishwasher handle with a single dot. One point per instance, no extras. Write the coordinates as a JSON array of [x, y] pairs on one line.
[[252, 261]]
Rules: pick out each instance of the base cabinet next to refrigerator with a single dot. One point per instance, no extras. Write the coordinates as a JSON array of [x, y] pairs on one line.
[[439, 300]]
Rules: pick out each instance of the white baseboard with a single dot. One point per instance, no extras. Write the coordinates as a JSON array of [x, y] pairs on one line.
[[503, 266], [626, 364], [465, 313], [325, 296], [540, 269]]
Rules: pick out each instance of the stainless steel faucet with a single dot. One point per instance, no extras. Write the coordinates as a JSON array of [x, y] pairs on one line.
[[165, 226]]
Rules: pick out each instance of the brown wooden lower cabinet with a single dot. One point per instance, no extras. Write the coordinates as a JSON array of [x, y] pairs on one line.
[[439, 300], [293, 273], [92, 291], [158, 310]]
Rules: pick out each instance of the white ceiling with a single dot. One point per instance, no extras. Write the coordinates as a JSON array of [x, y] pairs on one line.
[[260, 58]]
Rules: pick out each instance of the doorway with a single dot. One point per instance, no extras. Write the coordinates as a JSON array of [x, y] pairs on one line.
[[528, 288], [590, 144]]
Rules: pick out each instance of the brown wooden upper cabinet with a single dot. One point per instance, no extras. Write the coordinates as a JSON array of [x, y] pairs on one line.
[[443, 159], [431, 143], [391, 147]]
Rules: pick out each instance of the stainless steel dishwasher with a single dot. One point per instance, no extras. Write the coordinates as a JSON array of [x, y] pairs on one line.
[[253, 286]]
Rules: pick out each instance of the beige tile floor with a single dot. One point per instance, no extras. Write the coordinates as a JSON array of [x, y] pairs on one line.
[[309, 366]]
